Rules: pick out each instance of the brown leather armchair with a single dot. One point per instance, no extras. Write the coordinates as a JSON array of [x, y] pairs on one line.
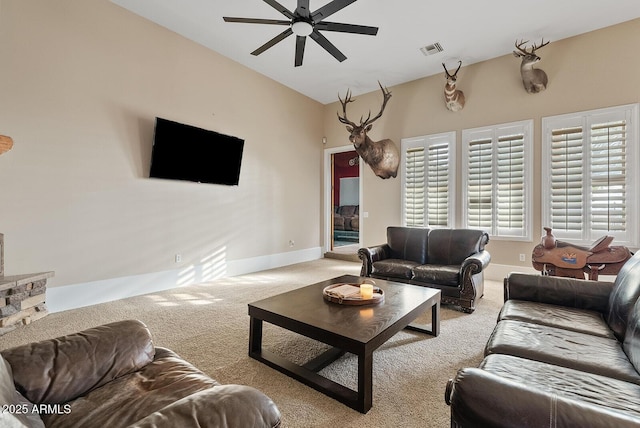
[[452, 260]]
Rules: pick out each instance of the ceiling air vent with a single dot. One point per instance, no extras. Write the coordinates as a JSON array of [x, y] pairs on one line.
[[431, 49]]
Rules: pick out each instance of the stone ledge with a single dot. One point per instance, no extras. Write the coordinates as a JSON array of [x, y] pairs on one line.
[[22, 299]]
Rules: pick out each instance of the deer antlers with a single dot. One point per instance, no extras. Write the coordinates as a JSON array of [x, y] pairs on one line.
[[347, 99], [524, 51]]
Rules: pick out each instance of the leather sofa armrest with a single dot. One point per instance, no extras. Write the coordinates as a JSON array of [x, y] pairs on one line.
[[371, 255], [59, 370], [476, 262], [571, 292], [224, 406], [482, 399]]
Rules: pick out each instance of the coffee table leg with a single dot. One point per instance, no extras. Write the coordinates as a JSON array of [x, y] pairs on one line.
[[255, 336], [365, 382], [435, 322], [435, 319]]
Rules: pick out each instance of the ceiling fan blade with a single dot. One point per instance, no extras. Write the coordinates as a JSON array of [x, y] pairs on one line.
[[347, 28], [300, 42], [329, 9], [256, 21], [327, 45], [303, 9], [280, 8], [280, 37]]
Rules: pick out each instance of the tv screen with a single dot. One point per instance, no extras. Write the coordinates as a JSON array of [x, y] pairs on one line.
[[184, 152]]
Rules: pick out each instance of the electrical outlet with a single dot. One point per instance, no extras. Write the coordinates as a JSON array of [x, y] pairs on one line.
[[178, 258], [522, 258], [292, 242]]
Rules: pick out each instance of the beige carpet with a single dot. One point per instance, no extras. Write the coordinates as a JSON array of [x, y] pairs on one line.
[[208, 325]]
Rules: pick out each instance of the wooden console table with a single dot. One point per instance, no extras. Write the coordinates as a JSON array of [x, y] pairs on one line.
[[22, 299]]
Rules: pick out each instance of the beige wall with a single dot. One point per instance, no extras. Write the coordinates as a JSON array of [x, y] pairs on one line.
[[594, 70], [81, 83]]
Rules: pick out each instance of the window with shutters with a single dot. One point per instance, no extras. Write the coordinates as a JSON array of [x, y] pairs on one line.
[[428, 180], [497, 165], [589, 180]]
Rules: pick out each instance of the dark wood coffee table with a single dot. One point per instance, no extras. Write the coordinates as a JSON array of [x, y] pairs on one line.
[[359, 330]]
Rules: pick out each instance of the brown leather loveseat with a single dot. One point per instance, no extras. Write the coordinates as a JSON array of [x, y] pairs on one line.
[[114, 376], [564, 353], [452, 260]]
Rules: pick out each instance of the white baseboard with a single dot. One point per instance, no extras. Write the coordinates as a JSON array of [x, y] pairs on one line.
[[91, 293], [497, 272]]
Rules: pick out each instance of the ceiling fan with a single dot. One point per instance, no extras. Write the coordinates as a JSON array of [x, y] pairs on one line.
[[302, 22]]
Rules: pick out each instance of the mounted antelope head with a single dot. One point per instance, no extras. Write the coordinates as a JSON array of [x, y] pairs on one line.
[[453, 98], [382, 156], [534, 79]]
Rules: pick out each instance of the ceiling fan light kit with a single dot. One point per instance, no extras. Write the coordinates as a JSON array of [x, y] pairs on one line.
[[303, 23], [302, 28]]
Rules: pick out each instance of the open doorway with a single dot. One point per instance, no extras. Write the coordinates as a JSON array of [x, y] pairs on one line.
[[343, 195]]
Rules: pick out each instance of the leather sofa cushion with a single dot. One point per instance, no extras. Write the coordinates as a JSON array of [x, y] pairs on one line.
[[452, 246], [222, 406], [58, 370], [408, 243], [625, 293], [631, 344], [595, 389], [581, 320], [585, 352], [132, 397], [394, 268], [438, 274], [348, 210]]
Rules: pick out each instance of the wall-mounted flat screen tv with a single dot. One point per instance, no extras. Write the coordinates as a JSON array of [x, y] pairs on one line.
[[184, 152]]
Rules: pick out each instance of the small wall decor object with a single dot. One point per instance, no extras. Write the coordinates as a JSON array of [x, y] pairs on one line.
[[534, 79], [5, 144], [453, 98], [382, 156]]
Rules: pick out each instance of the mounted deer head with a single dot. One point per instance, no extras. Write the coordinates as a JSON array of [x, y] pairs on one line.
[[534, 79], [453, 98], [382, 156]]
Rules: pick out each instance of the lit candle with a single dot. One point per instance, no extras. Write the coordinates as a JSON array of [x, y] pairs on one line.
[[366, 291]]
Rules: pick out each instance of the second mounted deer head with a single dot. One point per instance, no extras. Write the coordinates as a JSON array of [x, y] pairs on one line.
[[534, 79], [382, 156], [453, 98]]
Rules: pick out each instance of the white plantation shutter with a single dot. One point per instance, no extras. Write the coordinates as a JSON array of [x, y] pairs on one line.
[[480, 184], [438, 172], [608, 177], [566, 187], [510, 186], [428, 180], [415, 187], [498, 169], [589, 177]]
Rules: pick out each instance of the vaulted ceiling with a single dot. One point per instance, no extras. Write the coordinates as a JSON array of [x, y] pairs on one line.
[[467, 30]]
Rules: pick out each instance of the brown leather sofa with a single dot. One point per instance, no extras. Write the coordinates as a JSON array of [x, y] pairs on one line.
[[452, 260], [114, 376], [564, 353], [346, 217]]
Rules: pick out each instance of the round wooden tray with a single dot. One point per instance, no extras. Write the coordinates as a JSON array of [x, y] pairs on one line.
[[378, 296]]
